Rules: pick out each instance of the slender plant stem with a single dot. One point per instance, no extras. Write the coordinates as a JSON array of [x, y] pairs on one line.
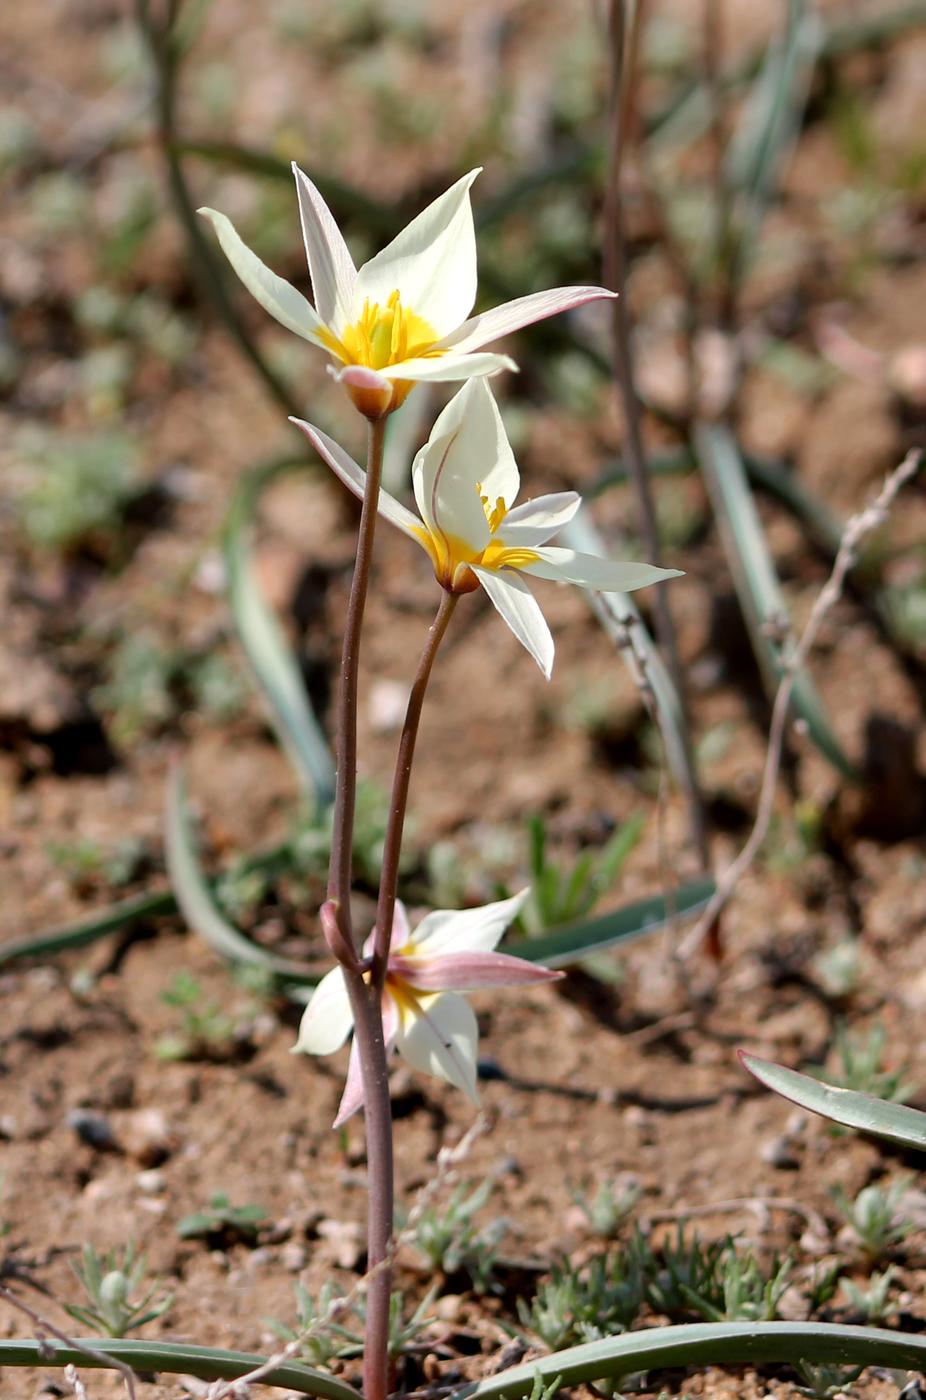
[[392, 848], [345, 800], [165, 59], [615, 275]]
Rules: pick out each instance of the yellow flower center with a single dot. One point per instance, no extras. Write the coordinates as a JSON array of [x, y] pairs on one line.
[[384, 335], [452, 556]]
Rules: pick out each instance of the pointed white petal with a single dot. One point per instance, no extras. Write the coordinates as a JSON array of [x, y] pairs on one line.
[[470, 930], [535, 521], [521, 611], [448, 368], [327, 1020], [352, 1098], [331, 266], [355, 478], [432, 263], [401, 928], [591, 571], [523, 311], [275, 295], [467, 457], [442, 1040]]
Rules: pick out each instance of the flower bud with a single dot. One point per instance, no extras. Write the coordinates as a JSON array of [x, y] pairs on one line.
[[371, 393]]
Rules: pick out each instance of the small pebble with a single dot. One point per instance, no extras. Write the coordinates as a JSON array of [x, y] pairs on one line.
[[92, 1128], [150, 1182], [293, 1258], [779, 1152], [148, 1137]]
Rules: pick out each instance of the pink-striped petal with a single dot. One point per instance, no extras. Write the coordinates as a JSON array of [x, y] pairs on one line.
[[355, 479], [593, 571], [352, 1097], [468, 972], [448, 368], [467, 930], [275, 295], [513, 315]]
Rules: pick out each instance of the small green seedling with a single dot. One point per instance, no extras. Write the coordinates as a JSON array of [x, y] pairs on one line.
[[874, 1216], [825, 1381], [560, 895], [609, 1207], [449, 1239], [110, 1281], [222, 1224], [575, 1306], [871, 1302], [204, 1033], [860, 1066], [321, 1336]]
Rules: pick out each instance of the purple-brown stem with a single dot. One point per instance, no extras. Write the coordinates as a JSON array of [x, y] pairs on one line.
[[345, 800], [392, 848]]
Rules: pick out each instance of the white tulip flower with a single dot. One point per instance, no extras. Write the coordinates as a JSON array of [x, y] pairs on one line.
[[404, 316], [424, 1016], [465, 481]]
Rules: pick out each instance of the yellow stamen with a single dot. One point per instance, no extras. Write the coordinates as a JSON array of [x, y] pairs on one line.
[[383, 336]]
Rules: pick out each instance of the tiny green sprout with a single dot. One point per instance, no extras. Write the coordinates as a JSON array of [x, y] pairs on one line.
[[403, 1332], [825, 1381], [310, 837], [575, 1306], [610, 1205], [559, 894], [874, 1216], [539, 1391], [223, 1223], [872, 1302], [321, 1336], [111, 1282], [823, 1283], [77, 488], [204, 1032], [449, 1239]]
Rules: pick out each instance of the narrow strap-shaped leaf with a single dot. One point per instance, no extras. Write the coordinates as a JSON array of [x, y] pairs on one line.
[[196, 899], [708, 1344], [620, 618], [894, 1121], [274, 666], [84, 931], [768, 127], [755, 579], [569, 945], [176, 1358]]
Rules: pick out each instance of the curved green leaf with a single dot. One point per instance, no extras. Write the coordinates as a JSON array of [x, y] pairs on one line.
[[569, 945], [881, 1118], [176, 1358], [620, 617], [755, 579], [84, 931], [196, 900], [272, 662], [708, 1344]]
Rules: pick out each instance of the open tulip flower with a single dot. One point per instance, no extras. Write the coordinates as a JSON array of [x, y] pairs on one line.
[[424, 1016], [465, 481], [403, 316]]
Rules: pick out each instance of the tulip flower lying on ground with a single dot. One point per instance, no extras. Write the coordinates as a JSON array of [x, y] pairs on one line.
[[465, 481], [424, 1016], [403, 316]]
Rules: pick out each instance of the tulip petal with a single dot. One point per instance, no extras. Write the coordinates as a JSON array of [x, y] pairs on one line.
[[441, 1039], [331, 266], [591, 571], [431, 263], [275, 295], [466, 930], [535, 521], [355, 478], [468, 971], [467, 457], [523, 311], [520, 609], [448, 368], [327, 1020], [352, 1097]]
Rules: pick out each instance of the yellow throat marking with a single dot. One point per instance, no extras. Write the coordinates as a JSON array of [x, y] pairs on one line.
[[451, 555], [383, 336]]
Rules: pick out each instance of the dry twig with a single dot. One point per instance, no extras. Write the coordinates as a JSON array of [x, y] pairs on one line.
[[860, 525]]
